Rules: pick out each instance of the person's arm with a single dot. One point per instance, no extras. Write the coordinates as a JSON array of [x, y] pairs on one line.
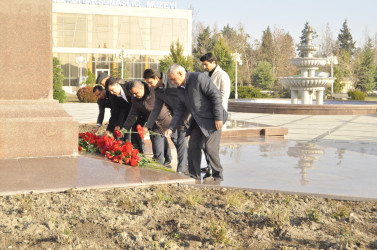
[[225, 89], [113, 114], [101, 113], [131, 118], [210, 91], [179, 112], [158, 103]]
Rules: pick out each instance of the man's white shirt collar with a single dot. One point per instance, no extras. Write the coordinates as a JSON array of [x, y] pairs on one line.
[[122, 94]]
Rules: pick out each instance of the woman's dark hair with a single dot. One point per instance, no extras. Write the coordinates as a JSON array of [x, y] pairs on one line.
[[97, 87], [151, 73], [209, 57]]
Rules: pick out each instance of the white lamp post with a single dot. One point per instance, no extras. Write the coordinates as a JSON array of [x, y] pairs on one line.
[[80, 60], [237, 58], [122, 55], [332, 60]]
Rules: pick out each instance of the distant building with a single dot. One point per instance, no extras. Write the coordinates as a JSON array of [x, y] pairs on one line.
[[93, 34]]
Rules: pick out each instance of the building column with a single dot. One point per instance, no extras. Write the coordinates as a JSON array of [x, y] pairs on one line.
[[294, 96]]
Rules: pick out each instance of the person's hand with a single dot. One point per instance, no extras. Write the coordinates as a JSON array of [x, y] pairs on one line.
[[219, 125], [145, 130], [168, 133], [95, 130], [117, 128]]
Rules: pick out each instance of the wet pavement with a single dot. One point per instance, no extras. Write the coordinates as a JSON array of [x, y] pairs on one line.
[[301, 167], [331, 156], [52, 174]]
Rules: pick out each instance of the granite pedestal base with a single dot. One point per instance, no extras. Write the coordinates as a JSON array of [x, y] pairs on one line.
[[36, 128]]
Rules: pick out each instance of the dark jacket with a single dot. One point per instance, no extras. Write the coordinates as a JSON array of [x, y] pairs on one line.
[[102, 105], [168, 95], [143, 107], [203, 100], [119, 108]]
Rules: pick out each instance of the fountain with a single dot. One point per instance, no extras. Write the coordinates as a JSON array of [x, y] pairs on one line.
[[308, 83]]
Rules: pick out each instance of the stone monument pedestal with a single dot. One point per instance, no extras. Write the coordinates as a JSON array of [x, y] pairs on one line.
[[36, 128], [32, 124]]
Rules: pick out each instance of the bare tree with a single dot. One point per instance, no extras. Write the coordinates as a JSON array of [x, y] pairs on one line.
[[327, 42], [283, 51], [238, 40]]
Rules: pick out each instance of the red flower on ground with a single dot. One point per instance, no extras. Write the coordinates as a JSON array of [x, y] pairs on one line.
[[117, 133], [114, 150], [134, 162]]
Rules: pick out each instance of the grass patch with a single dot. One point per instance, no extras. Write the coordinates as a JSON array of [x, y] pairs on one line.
[[313, 215], [219, 233], [234, 199], [193, 198], [341, 212], [161, 196]]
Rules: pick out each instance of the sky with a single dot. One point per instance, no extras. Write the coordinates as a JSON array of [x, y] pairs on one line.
[[291, 15]]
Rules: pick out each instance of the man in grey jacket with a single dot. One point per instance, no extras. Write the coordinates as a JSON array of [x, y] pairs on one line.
[[219, 77], [202, 99], [222, 82]]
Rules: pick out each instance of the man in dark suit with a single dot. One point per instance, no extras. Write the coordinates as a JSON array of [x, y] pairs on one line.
[[166, 94], [202, 99], [103, 102], [143, 99], [120, 101]]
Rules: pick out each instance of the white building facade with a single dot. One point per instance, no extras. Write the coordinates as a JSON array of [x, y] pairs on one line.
[[121, 37]]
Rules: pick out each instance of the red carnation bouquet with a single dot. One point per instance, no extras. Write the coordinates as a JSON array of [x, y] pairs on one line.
[[117, 133], [114, 150]]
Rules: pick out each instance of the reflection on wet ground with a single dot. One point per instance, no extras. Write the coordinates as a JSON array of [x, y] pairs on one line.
[[301, 167], [234, 124], [51, 174]]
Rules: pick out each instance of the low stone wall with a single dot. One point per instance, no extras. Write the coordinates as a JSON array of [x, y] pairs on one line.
[[299, 109]]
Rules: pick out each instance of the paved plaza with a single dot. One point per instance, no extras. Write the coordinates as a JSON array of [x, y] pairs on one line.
[[333, 156]]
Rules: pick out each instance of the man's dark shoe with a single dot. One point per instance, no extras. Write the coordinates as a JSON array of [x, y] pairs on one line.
[[167, 164], [207, 175], [195, 177], [217, 176]]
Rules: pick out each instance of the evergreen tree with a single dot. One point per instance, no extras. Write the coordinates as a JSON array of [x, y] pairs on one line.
[[263, 76], [57, 81], [267, 46], [338, 85], [176, 56], [367, 68], [345, 41], [303, 38], [224, 58], [204, 44]]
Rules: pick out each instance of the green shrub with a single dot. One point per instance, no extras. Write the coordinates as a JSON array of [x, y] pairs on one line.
[[85, 94], [58, 78], [356, 95], [248, 92]]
